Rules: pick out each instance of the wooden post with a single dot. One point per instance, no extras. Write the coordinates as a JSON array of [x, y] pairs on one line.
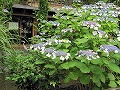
[[34, 31]]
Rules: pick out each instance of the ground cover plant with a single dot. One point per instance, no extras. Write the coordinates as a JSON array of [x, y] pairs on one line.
[[81, 45]]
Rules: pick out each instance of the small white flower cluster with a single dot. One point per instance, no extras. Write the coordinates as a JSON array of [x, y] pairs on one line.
[[105, 13], [102, 9], [77, 14], [61, 54], [50, 52], [118, 35], [55, 9], [106, 19], [38, 46], [37, 36], [48, 42], [109, 48], [105, 5], [91, 24], [67, 7], [86, 6], [64, 17], [67, 30], [54, 23], [90, 54], [100, 33], [100, 3]]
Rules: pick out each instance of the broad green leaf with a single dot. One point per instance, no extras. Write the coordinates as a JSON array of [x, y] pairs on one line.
[[85, 79], [83, 40], [49, 66], [114, 67], [73, 75], [72, 64], [39, 62], [102, 78], [95, 78], [67, 79], [98, 83], [97, 61], [112, 84], [116, 56], [111, 76], [96, 69], [73, 51], [65, 50], [66, 45], [85, 69], [65, 65], [118, 82], [105, 61], [80, 64]]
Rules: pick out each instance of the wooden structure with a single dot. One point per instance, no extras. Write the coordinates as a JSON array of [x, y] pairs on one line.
[[25, 20], [24, 17]]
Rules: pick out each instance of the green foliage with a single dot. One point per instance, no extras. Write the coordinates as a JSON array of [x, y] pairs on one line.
[[42, 14], [60, 57]]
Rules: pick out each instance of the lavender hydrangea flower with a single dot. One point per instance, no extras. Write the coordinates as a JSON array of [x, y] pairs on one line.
[[100, 33], [37, 46], [54, 23], [49, 51], [109, 48], [90, 54], [66, 30], [67, 7], [86, 6], [100, 3], [61, 54], [64, 17], [91, 24]]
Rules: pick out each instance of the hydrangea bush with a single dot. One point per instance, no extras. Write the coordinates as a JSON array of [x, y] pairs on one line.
[[86, 40], [81, 45]]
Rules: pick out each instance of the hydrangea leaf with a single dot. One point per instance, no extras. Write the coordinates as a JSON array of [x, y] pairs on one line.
[[95, 69], [39, 62], [85, 79], [114, 67], [102, 78], [111, 76], [85, 69], [73, 75], [112, 84]]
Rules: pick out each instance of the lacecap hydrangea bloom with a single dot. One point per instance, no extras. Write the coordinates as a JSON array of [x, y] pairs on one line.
[[89, 54]]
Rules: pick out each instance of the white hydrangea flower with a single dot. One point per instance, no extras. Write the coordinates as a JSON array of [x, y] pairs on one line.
[[35, 49], [48, 55], [90, 54], [109, 48], [66, 30], [118, 38], [62, 58], [100, 33], [42, 50], [94, 33], [61, 54]]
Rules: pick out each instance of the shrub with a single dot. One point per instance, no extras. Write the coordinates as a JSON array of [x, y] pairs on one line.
[[81, 45]]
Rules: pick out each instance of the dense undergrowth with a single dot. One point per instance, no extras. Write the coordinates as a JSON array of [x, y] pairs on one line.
[[81, 47]]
